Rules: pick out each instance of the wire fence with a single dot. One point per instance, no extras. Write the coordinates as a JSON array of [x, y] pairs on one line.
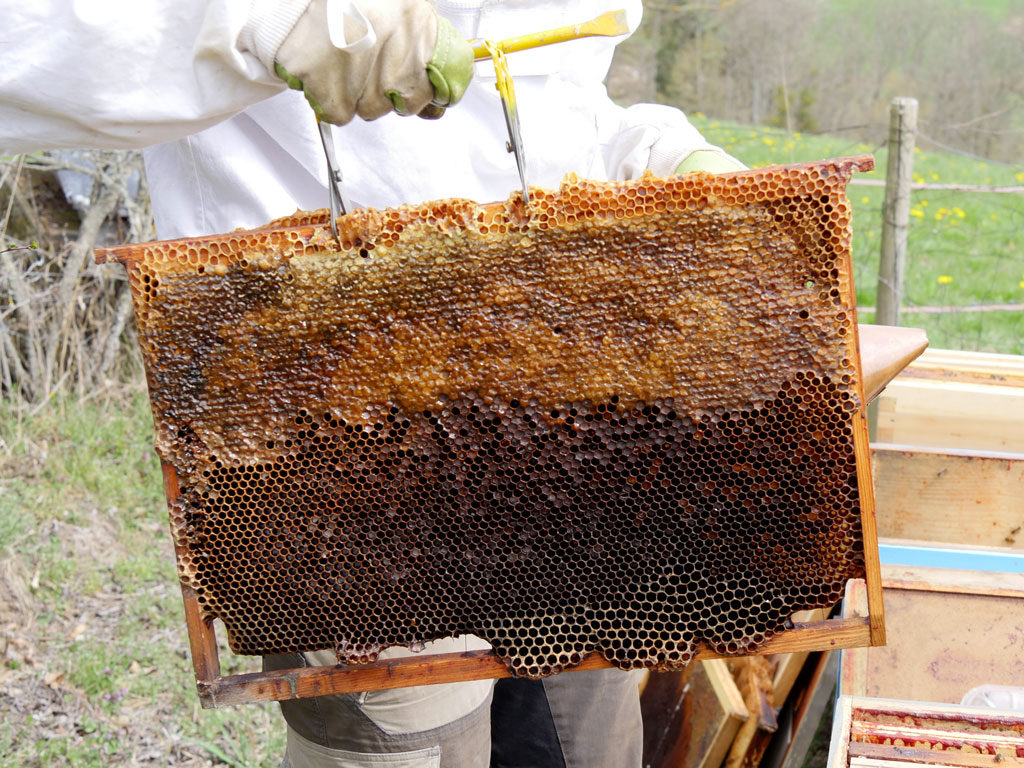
[[964, 281], [965, 258]]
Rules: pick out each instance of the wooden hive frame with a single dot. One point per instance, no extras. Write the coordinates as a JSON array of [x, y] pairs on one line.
[[217, 689], [893, 733]]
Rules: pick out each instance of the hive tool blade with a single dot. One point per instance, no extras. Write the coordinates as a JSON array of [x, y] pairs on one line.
[[338, 202], [609, 24]]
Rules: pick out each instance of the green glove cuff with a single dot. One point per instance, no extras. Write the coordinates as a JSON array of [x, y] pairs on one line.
[[397, 101], [295, 84], [710, 161], [451, 65]]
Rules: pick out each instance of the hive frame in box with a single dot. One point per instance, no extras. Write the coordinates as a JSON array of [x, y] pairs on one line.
[[894, 733], [216, 689]]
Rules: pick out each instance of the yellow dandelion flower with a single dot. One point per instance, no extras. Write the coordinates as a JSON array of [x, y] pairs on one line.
[[1020, 176], [934, 175], [1022, 283], [959, 212], [924, 203], [917, 178], [768, 141], [865, 199], [917, 213], [993, 217], [945, 279]]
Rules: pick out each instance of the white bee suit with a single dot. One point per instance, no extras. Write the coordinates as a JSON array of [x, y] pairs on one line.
[[228, 146], [268, 161], [235, 148]]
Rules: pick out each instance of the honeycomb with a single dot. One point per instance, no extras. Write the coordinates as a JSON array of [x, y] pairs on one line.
[[621, 419]]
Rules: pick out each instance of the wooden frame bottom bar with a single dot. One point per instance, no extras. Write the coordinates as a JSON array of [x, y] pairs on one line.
[[217, 690]]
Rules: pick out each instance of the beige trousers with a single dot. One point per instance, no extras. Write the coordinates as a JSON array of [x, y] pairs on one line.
[[592, 720], [430, 726]]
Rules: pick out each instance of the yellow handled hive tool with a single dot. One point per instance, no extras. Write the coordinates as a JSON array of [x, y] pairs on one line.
[[608, 24], [611, 24]]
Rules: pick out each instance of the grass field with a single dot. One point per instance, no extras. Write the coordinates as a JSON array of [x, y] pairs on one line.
[[997, 8], [964, 248]]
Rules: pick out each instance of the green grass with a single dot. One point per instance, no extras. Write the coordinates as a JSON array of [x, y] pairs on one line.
[[964, 248], [82, 508], [77, 465]]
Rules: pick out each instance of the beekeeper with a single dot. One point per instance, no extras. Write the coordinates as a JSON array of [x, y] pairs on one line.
[[222, 94]]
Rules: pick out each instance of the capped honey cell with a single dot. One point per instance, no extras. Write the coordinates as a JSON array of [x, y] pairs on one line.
[[621, 419]]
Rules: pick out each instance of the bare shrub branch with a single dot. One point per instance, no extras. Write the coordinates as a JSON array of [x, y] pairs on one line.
[[63, 320]]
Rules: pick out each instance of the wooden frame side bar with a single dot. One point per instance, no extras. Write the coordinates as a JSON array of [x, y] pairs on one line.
[[201, 638], [866, 492], [869, 528]]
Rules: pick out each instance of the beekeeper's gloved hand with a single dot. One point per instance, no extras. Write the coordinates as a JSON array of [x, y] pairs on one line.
[[679, 148], [710, 160], [363, 57]]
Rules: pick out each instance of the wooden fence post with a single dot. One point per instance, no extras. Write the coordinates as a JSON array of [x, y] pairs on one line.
[[896, 210], [895, 221]]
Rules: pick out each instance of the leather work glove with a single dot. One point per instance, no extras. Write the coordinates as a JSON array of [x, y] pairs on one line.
[[680, 148], [375, 57], [709, 160]]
